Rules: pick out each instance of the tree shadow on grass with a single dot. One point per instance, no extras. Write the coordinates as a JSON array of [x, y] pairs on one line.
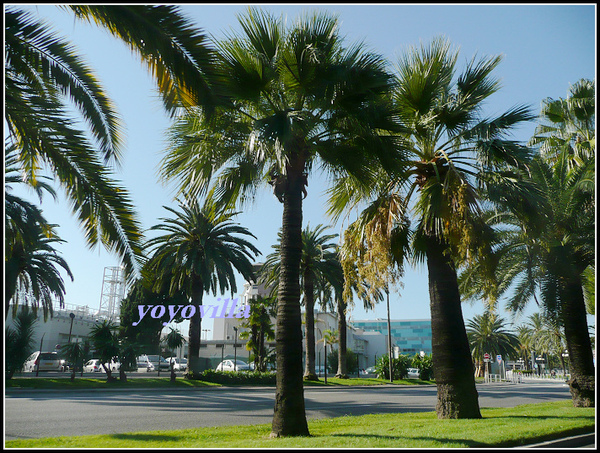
[[397, 439], [147, 437]]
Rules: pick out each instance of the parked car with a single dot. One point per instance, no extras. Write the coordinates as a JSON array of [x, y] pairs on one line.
[[371, 370], [413, 373], [144, 364], [48, 361], [94, 366], [157, 361], [178, 364], [228, 365]]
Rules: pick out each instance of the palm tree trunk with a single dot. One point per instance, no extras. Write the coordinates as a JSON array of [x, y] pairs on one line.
[[289, 417], [309, 305], [195, 328], [452, 363], [581, 360], [342, 371]]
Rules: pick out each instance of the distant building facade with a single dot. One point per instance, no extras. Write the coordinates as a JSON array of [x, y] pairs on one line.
[[55, 332], [410, 336]]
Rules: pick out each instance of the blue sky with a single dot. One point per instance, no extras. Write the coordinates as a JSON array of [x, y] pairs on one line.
[[546, 48]]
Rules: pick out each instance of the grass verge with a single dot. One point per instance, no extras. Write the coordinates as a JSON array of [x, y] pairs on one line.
[[93, 383], [164, 382], [499, 427]]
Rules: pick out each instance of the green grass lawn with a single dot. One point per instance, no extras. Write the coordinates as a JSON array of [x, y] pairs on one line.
[[499, 427], [164, 382]]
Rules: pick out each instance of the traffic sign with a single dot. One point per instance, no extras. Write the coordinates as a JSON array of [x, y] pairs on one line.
[[499, 358], [486, 357]]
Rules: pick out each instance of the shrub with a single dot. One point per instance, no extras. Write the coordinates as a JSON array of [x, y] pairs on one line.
[[399, 367], [425, 366], [351, 361], [234, 377]]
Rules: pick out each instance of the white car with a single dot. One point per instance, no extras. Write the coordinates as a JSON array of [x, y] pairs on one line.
[[94, 366], [227, 365], [178, 364], [144, 364], [47, 361], [413, 373]]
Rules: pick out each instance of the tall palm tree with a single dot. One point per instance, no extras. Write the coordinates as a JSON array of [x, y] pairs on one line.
[[199, 253], [299, 99], [567, 125], [452, 151], [545, 336], [318, 262], [488, 333], [544, 256]]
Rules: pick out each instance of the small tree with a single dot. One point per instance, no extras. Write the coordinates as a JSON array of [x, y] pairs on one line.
[[19, 342], [106, 344], [173, 340], [260, 329], [74, 353]]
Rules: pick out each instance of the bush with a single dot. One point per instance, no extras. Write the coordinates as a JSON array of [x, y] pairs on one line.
[[425, 366], [399, 367], [234, 377], [351, 361]]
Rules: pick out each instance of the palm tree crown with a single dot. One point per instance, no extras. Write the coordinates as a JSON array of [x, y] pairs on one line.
[[199, 253]]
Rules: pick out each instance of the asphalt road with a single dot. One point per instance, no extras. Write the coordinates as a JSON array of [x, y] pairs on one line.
[[32, 414]]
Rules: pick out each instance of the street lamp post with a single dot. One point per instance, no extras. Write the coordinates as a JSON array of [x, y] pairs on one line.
[[235, 329], [72, 316], [37, 370]]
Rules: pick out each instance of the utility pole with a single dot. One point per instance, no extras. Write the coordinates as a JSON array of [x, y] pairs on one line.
[[387, 293]]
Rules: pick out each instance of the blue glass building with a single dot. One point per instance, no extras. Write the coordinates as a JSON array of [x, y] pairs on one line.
[[411, 336]]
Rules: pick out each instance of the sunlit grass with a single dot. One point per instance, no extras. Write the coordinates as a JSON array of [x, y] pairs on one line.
[[499, 427]]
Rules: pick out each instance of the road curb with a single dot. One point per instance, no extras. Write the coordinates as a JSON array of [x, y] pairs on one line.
[[566, 442]]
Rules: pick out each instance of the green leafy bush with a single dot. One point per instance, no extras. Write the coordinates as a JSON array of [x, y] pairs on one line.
[[399, 367], [233, 377], [425, 366]]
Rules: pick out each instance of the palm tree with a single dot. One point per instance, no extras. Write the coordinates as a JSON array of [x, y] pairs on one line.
[[299, 99], [43, 71], [74, 353], [18, 341], [106, 344], [173, 341], [544, 257], [567, 125], [260, 329], [32, 264], [43, 77], [318, 264], [199, 252], [545, 336], [451, 152], [329, 338], [487, 333]]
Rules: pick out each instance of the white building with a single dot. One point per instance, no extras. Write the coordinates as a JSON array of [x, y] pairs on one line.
[[56, 330]]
